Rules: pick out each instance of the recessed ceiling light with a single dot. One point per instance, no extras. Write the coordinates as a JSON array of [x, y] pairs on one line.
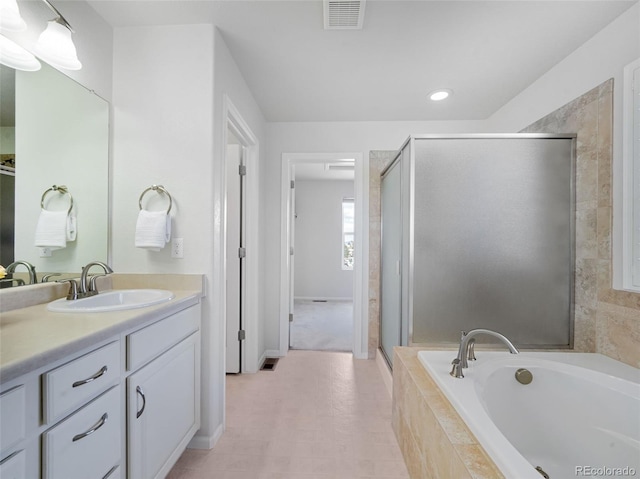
[[438, 95]]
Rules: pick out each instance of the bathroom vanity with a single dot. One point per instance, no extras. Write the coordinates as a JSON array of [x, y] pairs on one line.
[[104, 395]]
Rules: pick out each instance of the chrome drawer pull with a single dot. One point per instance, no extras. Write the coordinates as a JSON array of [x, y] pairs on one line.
[[88, 380], [144, 401], [93, 429], [111, 471]]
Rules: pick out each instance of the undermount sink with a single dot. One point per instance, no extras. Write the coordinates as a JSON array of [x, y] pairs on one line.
[[114, 300]]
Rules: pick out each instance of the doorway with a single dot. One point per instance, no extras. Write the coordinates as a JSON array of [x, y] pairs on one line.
[[240, 254], [235, 251], [291, 162], [322, 259]]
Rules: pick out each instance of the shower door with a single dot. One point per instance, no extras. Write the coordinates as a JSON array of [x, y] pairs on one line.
[[493, 238], [391, 259]]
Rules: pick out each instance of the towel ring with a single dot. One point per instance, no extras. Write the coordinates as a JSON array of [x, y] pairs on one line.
[[63, 190], [160, 189]]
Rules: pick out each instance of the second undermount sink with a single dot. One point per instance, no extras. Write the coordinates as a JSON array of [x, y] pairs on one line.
[[114, 300]]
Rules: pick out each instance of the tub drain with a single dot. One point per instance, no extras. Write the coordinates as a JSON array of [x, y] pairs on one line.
[[542, 473]]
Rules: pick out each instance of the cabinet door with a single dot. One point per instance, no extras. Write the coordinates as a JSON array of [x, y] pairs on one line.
[[163, 409], [14, 466]]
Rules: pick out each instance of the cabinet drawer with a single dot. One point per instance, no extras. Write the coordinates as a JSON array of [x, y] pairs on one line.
[[86, 444], [14, 466], [12, 417], [71, 385], [150, 342]]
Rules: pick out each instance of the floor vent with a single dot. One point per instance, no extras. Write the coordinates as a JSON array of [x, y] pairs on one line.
[[269, 364], [343, 14]]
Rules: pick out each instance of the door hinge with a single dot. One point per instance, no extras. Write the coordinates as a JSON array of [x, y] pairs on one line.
[[242, 170], [242, 252], [293, 184], [291, 317], [241, 335]]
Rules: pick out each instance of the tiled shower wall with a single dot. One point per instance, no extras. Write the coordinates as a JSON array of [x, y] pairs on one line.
[[606, 320]]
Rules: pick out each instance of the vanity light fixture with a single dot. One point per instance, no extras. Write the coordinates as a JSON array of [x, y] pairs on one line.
[[439, 95], [10, 18], [14, 56], [55, 45]]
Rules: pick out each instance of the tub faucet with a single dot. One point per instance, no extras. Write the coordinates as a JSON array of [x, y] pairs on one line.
[[30, 269], [89, 288], [465, 350]]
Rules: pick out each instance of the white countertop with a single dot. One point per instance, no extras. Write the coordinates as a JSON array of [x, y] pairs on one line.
[[33, 337]]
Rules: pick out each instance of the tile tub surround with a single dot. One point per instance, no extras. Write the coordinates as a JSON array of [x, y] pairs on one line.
[[434, 440], [607, 321]]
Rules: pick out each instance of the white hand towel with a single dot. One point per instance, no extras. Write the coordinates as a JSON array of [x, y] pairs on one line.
[[54, 229], [153, 230]]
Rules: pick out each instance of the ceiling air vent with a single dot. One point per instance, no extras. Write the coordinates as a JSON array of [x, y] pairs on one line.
[[343, 14]]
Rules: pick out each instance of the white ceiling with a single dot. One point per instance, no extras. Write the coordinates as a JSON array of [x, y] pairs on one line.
[[485, 51]]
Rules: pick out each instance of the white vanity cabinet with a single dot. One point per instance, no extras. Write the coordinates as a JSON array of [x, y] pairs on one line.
[[163, 396], [14, 426], [124, 406]]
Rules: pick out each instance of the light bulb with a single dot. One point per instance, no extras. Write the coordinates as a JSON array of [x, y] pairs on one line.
[[10, 18], [14, 56], [56, 47]]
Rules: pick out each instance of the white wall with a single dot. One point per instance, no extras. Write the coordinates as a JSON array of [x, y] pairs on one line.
[[169, 84], [318, 240], [602, 57], [163, 125]]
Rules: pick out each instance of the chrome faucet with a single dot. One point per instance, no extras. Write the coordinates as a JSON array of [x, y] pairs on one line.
[[466, 349], [91, 289], [30, 269]]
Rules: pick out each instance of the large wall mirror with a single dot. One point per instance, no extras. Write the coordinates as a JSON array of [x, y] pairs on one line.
[[53, 131]]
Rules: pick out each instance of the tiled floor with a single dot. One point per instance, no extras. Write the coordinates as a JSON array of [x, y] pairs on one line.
[[318, 415]]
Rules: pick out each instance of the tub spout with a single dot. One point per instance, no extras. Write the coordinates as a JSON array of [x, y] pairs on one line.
[[465, 350]]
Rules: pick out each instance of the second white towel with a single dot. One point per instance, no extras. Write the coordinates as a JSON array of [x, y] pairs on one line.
[[153, 230]]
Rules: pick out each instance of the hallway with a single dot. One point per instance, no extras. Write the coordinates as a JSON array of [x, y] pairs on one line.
[[322, 326], [318, 415]]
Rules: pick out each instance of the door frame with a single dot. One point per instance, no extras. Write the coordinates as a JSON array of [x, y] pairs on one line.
[[232, 119], [361, 273]]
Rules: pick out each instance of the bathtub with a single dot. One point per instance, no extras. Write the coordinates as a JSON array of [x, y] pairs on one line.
[[579, 417]]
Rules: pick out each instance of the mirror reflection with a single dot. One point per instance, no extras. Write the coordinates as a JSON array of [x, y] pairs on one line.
[[53, 131]]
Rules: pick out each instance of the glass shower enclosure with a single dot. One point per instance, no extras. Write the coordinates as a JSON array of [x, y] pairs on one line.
[[478, 232]]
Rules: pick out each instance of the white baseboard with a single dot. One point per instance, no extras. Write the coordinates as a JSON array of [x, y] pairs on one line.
[[206, 442], [271, 353], [321, 298]]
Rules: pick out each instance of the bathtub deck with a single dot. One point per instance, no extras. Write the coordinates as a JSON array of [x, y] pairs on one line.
[[434, 440]]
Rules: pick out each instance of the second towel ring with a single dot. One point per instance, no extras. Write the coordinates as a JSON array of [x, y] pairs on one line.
[[63, 190], [159, 188]]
